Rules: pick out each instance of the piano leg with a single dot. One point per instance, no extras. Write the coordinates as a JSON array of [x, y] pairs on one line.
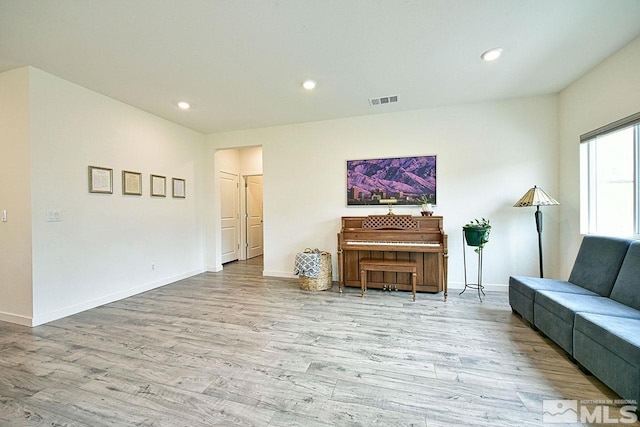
[[445, 272], [414, 279], [340, 268]]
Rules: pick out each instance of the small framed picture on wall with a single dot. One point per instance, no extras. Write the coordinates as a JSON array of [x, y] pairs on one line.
[[179, 188], [100, 180], [132, 183], [158, 186]]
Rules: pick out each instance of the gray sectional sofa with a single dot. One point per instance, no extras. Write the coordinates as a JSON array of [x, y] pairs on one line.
[[595, 315]]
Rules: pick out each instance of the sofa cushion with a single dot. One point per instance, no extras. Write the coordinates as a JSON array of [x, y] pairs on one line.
[[609, 347], [565, 306], [598, 262], [522, 291], [529, 285], [626, 289], [554, 313], [618, 334]]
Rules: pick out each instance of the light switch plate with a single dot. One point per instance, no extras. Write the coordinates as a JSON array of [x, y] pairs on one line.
[[54, 215]]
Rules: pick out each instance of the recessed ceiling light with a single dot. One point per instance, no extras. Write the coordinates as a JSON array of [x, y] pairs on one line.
[[491, 54], [184, 105], [309, 84]]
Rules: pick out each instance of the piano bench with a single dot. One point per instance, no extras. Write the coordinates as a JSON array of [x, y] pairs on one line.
[[397, 266]]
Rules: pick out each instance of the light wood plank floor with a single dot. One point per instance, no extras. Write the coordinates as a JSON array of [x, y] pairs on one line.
[[234, 348]]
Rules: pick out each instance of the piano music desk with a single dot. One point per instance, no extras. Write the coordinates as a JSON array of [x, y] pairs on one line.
[[398, 266]]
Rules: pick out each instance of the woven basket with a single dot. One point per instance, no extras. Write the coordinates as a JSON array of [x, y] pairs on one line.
[[323, 281]]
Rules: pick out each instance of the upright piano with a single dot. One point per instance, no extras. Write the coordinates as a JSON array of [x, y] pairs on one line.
[[394, 237]]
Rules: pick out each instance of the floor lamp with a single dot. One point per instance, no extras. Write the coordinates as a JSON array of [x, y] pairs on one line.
[[537, 197]]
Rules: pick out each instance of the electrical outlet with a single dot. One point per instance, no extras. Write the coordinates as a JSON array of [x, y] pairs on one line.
[[4, 215], [153, 267]]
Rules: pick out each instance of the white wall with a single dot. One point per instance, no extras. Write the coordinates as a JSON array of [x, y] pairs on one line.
[[105, 245], [251, 161], [15, 198], [489, 155], [609, 92]]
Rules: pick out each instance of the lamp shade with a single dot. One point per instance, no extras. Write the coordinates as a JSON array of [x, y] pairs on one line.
[[536, 197]]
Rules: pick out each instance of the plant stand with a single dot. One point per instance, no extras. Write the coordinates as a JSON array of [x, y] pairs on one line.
[[477, 285]]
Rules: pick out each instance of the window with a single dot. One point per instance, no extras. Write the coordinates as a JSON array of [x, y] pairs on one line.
[[609, 179]]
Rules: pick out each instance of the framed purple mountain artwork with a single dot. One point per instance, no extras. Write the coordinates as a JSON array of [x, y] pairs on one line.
[[408, 180]]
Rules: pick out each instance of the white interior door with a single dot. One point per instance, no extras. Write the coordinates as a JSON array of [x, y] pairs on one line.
[[254, 216], [230, 215]]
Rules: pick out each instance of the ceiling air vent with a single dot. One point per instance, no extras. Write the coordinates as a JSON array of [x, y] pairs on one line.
[[383, 100]]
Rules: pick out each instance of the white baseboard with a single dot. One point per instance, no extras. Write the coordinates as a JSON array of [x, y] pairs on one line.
[[77, 308], [499, 287], [275, 273], [16, 318], [214, 269]]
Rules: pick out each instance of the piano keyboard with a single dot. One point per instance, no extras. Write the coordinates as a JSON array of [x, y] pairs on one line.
[[388, 243]]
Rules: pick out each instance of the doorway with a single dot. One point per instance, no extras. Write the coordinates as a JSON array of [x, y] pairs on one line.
[[239, 182]]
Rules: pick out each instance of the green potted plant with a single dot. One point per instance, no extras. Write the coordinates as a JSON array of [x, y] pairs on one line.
[[476, 233]]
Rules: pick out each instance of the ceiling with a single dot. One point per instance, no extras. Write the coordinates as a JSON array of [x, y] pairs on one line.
[[240, 63]]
